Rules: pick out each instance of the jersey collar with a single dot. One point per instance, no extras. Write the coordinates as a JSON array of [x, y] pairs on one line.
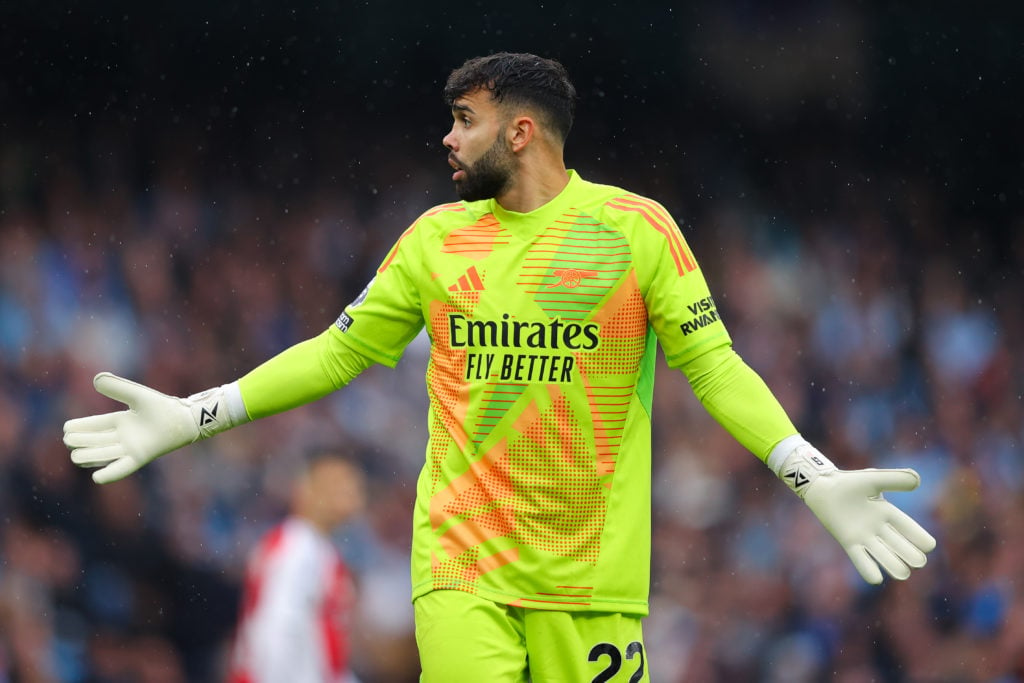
[[528, 225]]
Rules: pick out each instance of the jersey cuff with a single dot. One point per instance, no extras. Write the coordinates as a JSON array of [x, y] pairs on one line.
[[235, 405], [783, 450]]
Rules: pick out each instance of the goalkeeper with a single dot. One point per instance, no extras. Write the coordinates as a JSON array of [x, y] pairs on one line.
[[544, 296]]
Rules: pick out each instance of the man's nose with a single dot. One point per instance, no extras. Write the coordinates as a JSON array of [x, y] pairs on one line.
[[449, 140]]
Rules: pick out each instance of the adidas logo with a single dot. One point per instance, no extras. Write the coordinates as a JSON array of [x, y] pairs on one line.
[[470, 281]]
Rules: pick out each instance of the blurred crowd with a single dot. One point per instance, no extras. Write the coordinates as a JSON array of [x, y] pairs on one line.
[[886, 319], [890, 345]]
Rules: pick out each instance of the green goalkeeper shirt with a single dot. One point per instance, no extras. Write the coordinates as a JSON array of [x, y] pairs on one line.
[[536, 490]]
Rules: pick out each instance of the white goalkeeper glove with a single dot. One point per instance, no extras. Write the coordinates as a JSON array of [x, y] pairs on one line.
[[873, 532], [154, 424]]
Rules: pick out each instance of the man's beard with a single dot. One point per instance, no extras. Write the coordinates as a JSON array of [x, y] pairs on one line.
[[489, 176]]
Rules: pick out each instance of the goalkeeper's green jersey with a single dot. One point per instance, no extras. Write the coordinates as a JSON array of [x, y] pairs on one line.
[[543, 325]]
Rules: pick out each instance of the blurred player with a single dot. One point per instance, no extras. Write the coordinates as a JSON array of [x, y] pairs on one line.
[[545, 297], [298, 595]]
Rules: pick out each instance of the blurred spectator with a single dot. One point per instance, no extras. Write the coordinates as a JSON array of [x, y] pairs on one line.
[[298, 597]]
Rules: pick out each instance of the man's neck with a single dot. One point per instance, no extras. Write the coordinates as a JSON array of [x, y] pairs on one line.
[[534, 187]]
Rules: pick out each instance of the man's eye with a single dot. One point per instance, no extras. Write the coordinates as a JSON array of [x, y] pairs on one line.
[[465, 123]]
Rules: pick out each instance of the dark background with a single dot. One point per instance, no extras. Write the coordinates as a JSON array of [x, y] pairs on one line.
[[188, 188], [713, 98]]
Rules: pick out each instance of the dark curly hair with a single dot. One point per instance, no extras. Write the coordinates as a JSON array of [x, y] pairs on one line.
[[519, 79]]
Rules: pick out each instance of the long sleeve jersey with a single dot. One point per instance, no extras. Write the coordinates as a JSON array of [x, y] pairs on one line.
[[536, 487]]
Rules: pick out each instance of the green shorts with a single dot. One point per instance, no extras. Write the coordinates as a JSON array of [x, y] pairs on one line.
[[463, 638]]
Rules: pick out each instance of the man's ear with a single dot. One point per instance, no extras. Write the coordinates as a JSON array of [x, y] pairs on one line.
[[521, 130]]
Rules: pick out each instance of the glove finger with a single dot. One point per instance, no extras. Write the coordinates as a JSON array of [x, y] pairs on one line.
[[864, 564], [97, 457], [906, 526], [902, 547], [887, 559], [894, 480], [91, 423], [119, 388], [119, 469], [90, 439]]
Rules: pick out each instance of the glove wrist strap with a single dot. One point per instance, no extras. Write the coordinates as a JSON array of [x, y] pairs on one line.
[[218, 409], [798, 463]]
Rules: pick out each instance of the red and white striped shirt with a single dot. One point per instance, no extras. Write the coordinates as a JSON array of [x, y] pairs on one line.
[[296, 604]]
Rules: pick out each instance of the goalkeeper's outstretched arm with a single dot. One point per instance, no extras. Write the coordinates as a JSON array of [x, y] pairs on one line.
[[119, 443], [875, 534]]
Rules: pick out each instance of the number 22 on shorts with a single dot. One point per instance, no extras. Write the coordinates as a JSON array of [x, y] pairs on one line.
[[634, 650]]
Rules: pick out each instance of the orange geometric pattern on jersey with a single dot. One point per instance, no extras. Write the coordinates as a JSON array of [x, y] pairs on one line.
[[477, 506], [443, 208], [487, 483], [623, 321], [444, 374], [475, 241], [560, 505], [515, 491], [479, 527], [663, 223], [464, 570]]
